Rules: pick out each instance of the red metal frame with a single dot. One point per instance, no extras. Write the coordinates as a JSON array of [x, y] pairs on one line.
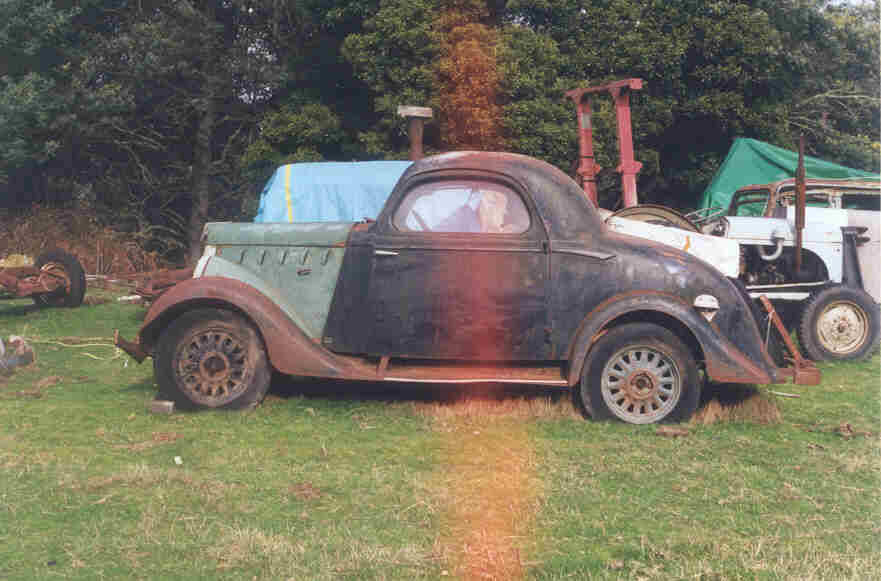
[[627, 166]]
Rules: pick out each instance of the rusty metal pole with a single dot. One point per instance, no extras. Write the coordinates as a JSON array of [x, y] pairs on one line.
[[587, 166], [416, 117], [800, 203], [627, 167]]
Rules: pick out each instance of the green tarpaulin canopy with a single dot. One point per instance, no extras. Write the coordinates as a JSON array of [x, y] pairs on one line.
[[750, 161]]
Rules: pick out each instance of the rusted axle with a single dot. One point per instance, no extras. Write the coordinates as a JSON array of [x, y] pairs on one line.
[[157, 282]]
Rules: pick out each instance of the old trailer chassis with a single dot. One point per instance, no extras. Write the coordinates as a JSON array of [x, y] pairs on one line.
[[27, 281]]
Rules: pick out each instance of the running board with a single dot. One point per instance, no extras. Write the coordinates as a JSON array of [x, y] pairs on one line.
[[406, 371]]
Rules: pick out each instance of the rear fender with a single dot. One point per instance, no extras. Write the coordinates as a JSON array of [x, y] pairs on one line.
[[724, 361], [290, 350]]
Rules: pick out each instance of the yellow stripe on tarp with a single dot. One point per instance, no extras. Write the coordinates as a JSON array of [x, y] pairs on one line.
[[287, 191]]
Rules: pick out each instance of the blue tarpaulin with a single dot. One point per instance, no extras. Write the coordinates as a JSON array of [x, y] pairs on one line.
[[328, 191]]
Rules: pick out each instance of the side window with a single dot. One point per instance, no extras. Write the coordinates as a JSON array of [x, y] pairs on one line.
[[462, 206]]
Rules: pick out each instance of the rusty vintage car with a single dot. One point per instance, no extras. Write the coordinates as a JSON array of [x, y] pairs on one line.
[[482, 267]]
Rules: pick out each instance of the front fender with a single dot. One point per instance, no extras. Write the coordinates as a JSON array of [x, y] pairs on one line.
[[724, 361], [289, 348]]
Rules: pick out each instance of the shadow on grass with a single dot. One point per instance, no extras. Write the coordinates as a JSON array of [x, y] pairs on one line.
[[18, 310], [440, 393]]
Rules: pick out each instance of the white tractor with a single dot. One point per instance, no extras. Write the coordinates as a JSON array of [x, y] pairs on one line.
[[816, 254]]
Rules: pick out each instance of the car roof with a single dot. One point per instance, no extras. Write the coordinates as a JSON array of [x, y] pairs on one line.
[[563, 205]]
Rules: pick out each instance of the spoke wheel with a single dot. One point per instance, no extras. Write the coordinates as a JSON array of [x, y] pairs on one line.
[[639, 373], [211, 358], [212, 366], [641, 385]]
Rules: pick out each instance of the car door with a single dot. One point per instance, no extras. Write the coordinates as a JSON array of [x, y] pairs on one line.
[[459, 270]]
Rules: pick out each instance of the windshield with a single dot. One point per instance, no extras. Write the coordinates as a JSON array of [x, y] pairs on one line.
[[749, 203]]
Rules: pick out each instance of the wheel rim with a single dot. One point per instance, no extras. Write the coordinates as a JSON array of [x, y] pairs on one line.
[[641, 385], [842, 327], [212, 367], [55, 270]]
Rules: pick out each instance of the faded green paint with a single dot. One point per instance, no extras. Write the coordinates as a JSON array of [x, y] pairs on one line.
[[295, 265], [280, 234]]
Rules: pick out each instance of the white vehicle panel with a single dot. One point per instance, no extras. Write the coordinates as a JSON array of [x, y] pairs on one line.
[[722, 253]]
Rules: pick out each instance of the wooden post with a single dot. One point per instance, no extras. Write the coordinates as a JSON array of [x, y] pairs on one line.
[[416, 117]]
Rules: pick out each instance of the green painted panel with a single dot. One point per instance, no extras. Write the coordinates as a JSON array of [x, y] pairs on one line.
[[295, 265]]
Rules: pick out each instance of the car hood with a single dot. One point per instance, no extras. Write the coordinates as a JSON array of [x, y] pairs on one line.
[[276, 234]]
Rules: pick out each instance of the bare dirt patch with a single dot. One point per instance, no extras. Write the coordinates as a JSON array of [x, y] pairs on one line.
[[305, 491], [157, 439]]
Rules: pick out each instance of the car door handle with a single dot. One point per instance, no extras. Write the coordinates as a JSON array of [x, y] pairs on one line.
[[378, 252]]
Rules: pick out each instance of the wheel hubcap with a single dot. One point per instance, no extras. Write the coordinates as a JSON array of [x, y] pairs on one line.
[[842, 327], [212, 367], [641, 385]]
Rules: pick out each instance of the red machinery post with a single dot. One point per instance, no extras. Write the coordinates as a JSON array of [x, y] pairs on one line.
[[627, 166], [587, 166]]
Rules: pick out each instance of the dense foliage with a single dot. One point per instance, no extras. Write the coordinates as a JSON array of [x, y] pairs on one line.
[[170, 112]]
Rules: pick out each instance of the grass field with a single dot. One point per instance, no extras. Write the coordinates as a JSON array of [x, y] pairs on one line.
[[352, 481]]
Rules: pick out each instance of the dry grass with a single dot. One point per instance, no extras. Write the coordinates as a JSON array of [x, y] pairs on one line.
[[745, 406], [27, 234], [485, 481], [495, 401]]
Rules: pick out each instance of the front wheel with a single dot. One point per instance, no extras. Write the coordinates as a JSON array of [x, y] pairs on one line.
[[211, 358], [839, 323], [640, 373]]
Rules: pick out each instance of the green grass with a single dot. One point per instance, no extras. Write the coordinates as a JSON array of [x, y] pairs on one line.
[[335, 481]]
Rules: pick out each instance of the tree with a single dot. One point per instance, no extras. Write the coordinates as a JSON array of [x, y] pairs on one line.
[[196, 73], [42, 107]]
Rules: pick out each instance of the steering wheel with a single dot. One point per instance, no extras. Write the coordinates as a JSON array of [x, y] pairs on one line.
[[705, 214]]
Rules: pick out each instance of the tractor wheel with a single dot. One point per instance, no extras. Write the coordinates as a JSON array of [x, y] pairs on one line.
[[839, 323]]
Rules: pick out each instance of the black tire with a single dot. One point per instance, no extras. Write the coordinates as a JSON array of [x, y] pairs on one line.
[[211, 358], [70, 295], [839, 323], [663, 384]]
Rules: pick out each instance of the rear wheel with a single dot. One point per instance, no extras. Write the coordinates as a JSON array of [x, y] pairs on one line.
[[839, 323], [211, 358], [640, 373], [70, 274]]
